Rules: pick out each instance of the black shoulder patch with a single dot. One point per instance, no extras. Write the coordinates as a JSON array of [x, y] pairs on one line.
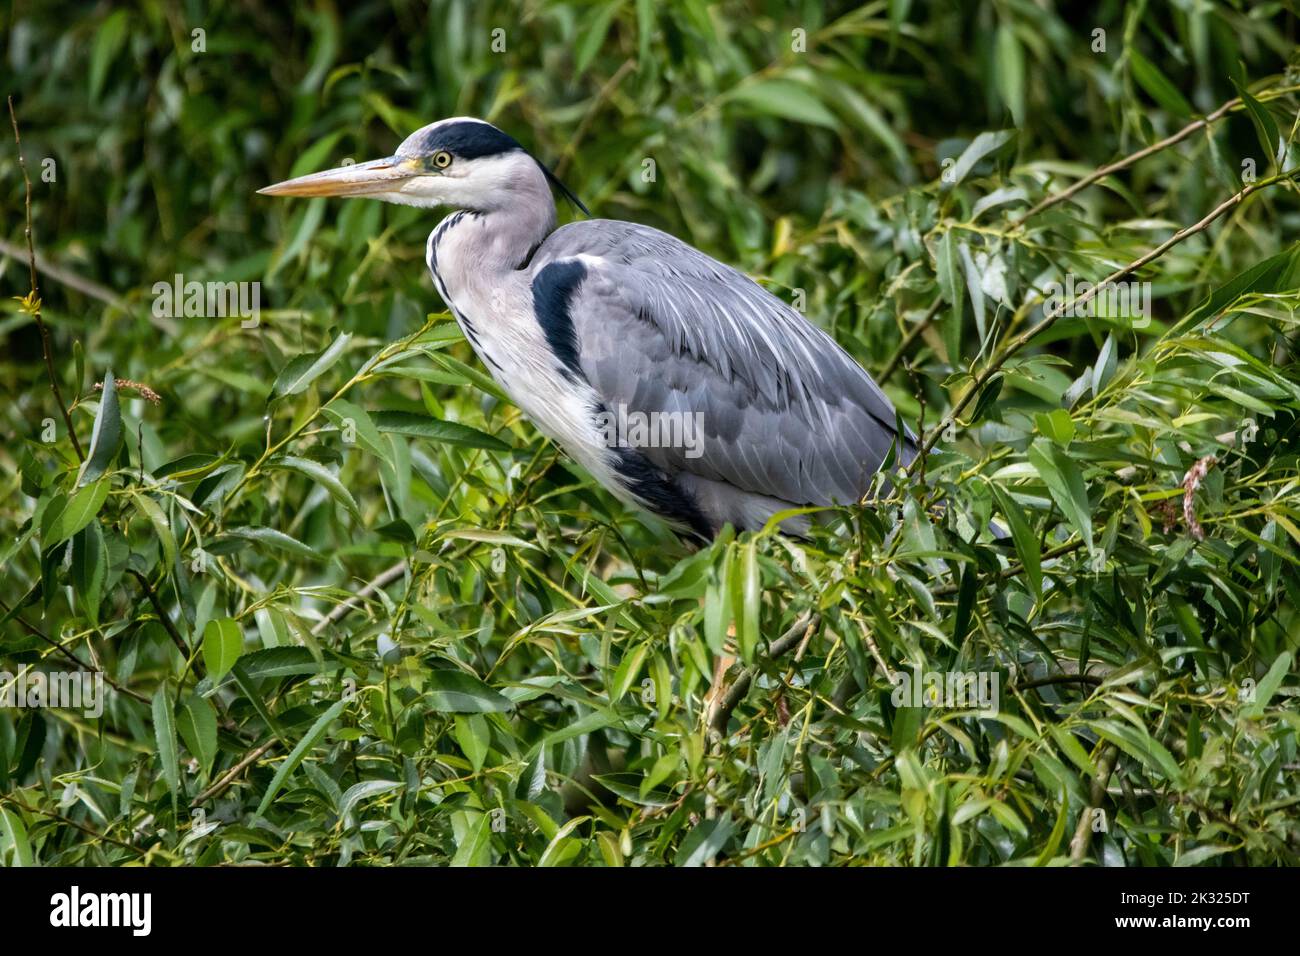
[[553, 289]]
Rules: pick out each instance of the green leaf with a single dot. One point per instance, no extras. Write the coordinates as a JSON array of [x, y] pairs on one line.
[[1009, 67], [1023, 537], [164, 730], [1056, 425], [161, 526], [319, 473], [562, 849], [1276, 273], [1200, 854], [449, 433], [952, 286], [291, 762], [752, 595], [223, 642], [974, 286], [1157, 85], [1073, 750], [1270, 140], [965, 603], [352, 418], [456, 692], [1140, 744], [1065, 483], [1269, 684], [364, 791], [80, 511], [89, 568], [593, 36], [861, 112], [109, 38], [645, 24], [475, 841], [316, 156], [1008, 817], [106, 437], [982, 145], [705, 840], [474, 738], [197, 725], [305, 369], [1103, 369], [15, 848], [784, 99], [1058, 829], [628, 670], [276, 539], [273, 662]]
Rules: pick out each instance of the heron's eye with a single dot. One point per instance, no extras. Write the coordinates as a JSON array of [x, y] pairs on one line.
[[442, 159]]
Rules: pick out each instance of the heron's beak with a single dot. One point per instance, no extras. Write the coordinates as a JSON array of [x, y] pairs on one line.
[[358, 179]]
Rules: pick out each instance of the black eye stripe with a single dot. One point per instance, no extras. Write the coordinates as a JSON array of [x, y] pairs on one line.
[[469, 140]]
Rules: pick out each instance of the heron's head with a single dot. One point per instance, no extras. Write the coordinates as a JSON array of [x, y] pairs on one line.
[[461, 162]]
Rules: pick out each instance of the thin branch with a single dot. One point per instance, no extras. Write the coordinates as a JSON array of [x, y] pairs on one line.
[[1091, 679], [73, 823], [36, 293], [66, 277], [1083, 832], [340, 611], [913, 333], [163, 617], [737, 691], [1102, 172], [81, 665], [222, 783], [1052, 315]]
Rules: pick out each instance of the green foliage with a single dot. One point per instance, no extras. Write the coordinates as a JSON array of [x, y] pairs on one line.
[[531, 684]]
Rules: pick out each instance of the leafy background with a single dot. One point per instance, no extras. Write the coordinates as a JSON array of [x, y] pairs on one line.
[[531, 684]]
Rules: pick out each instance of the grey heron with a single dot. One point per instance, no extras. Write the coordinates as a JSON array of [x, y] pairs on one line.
[[601, 318]]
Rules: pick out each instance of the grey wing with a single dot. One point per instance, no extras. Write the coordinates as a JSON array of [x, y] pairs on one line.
[[658, 326]]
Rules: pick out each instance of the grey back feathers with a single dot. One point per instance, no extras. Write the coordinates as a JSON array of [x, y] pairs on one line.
[[658, 326]]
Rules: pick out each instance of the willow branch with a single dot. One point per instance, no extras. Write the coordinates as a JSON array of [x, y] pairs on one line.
[[378, 583], [36, 294], [1111, 168], [1083, 832], [38, 633], [737, 691], [912, 335], [163, 617], [1050, 317], [222, 783], [64, 276]]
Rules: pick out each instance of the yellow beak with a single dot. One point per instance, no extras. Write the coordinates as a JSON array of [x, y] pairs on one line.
[[356, 179]]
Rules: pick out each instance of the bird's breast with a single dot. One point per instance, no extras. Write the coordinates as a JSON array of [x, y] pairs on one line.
[[497, 316]]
